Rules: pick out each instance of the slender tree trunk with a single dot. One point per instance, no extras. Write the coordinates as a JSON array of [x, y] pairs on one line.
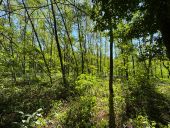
[[85, 43], [11, 45], [24, 48], [133, 63], [90, 52], [24, 63], [68, 35], [34, 57], [97, 53], [51, 52], [155, 68], [150, 58], [105, 54], [168, 70], [127, 73], [58, 45], [125, 61], [111, 93], [116, 69], [100, 53], [81, 47], [149, 67], [161, 68], [36, 35]]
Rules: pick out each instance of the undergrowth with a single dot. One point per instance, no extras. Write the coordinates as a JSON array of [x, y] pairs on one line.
[[138, 102]]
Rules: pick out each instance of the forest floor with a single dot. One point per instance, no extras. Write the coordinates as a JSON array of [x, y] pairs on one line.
[[86, 104], [99, 111]]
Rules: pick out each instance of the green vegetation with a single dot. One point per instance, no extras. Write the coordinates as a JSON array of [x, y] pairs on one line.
[[84, 64]]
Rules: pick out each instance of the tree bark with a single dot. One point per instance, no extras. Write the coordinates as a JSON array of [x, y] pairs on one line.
[[11, 45], [100, 53], [97, 53], [111, 93], [161, 68], [58, 45], [68, 35], [36, 35], [81, 47], [133, 63]]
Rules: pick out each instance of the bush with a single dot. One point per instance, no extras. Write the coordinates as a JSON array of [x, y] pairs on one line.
[[143, 99], [80, 113], [84, 82]]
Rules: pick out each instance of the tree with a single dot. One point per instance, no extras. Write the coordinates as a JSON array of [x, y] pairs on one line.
[[103, 13], [37, 37], [154, 16], [58, 45]]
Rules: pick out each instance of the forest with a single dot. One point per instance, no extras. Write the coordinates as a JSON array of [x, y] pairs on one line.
[[84, 64]]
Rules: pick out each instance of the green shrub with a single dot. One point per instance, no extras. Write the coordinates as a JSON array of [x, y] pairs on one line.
[[142, 98], [80, 113], [143, 122], [85, 82]]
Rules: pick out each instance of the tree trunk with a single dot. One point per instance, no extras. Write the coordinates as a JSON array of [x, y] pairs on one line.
[[111, 93], [81, 47], [97, 53], [100, 53], [36, 35], [133, 63], [24, 54], [68, 35], [11, 45], [58, 44], [161, 68]]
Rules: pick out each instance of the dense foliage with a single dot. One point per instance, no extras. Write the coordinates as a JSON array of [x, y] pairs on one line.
[[84, 63]]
